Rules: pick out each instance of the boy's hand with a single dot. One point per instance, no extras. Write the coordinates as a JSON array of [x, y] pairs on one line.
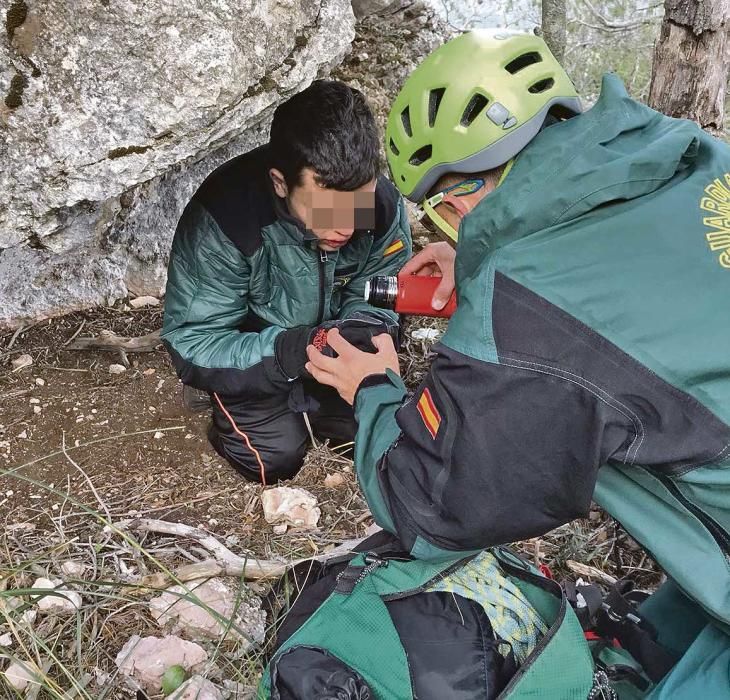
[[346, 371], [435, 260]]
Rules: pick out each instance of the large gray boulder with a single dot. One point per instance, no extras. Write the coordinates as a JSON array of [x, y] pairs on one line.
[[111, 114]]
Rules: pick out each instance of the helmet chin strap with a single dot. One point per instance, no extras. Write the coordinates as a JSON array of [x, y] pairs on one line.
[[430, 211], [428, 206]]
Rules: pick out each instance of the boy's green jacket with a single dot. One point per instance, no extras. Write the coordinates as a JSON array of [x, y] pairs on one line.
[[590, 352], [242, 270]]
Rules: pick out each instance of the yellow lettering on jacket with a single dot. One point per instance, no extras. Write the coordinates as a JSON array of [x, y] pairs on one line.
[[717, 203]]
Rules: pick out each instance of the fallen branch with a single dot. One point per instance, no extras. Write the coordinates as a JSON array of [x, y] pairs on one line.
[[225, 563], [590, 571], [107, 340]]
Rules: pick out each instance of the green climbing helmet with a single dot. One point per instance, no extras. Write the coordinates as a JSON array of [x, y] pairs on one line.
[[472, 105]]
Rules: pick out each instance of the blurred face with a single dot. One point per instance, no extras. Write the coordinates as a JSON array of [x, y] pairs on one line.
[[331, 215]]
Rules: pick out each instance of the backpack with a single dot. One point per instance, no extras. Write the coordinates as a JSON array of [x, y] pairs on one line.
[[365, 628]]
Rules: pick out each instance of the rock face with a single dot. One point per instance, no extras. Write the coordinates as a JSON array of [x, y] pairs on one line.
[[111, 114], [392, 38]]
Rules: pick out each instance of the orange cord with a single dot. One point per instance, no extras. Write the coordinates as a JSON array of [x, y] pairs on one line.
[[245, 437]]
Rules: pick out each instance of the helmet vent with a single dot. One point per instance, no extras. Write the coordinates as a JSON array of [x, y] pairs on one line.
[[394, 148], [434, 101], [526, 59], [421, 155], [476, 104], [541, 86], [405, 117]]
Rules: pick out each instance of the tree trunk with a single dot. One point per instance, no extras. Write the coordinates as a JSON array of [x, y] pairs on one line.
[[691, 62], [554, 26]]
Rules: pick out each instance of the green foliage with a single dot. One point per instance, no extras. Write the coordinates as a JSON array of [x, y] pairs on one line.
[[615, 35]]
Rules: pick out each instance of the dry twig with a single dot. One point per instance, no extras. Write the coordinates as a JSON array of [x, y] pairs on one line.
[[108, 340]]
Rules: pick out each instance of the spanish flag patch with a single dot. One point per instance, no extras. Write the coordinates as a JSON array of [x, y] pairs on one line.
[[393, 248], [429, 413]]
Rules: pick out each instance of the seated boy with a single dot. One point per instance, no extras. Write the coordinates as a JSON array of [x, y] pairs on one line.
[[272, 250]]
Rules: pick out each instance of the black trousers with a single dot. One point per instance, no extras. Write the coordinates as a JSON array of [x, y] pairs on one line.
[[265, 439]]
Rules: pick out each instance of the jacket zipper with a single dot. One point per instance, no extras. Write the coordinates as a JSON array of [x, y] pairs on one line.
[[419, 589], [547, 637], [322, 276], [712, 526]]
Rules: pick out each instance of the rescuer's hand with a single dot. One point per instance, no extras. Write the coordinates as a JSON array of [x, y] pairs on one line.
[[435, 260], [346, 371]]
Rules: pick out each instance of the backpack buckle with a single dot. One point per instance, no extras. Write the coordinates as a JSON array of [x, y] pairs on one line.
[[620, 616]]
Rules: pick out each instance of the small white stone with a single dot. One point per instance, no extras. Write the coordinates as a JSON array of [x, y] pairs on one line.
[[93, 410], [158, 435], [139, 302], [117, 369], [146, 659], [63, 601], [20, 676], [280, 529], [212, 522], [9, 493], [37, 409], [23, 435], [40, 382], [291, 506], [332, 481], [184, 609], [6, 640], [34, 400], [22, 361], [74, 569]]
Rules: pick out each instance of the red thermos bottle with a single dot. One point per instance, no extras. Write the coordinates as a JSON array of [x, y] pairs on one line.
[[407, 294]]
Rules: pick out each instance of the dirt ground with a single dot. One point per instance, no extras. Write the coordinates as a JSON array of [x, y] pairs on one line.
[[68, 424]]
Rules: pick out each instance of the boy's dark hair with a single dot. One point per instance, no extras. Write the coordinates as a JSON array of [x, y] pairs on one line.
[[329, 128]]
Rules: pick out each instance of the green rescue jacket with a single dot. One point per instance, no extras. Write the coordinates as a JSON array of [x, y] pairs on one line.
[[242, 270], [591, 344]]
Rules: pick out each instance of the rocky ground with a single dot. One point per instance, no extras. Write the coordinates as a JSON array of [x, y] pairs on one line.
[[83, 450]]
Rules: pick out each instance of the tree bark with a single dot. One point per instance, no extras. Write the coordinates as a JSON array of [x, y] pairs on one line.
[[691, 62], [554, 29]]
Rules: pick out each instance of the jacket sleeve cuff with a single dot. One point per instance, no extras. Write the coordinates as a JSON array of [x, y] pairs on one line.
[[370, 381]]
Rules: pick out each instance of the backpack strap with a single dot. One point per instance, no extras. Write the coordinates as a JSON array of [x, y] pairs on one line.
[[615, 616]]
